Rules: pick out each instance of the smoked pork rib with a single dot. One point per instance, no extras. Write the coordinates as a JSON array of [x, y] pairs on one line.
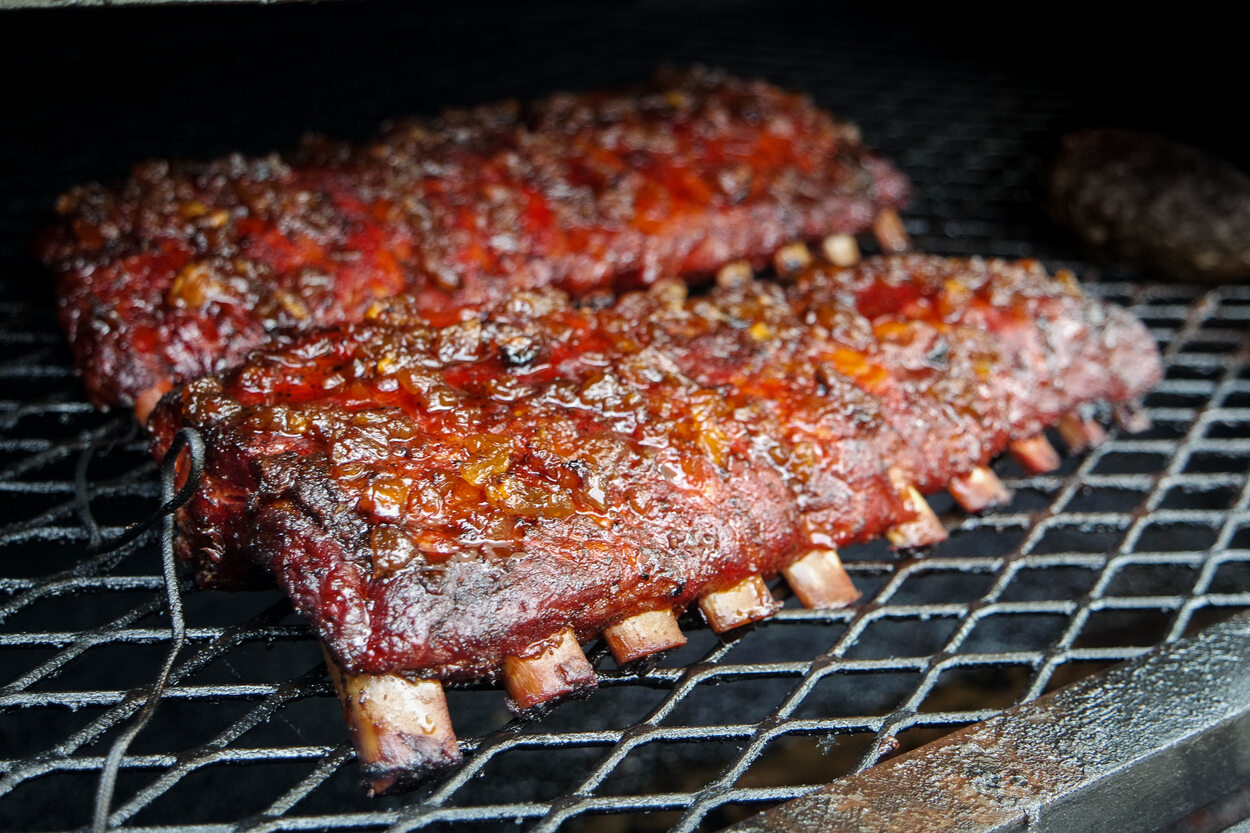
[[472, 500], [185, 268], [436, 500]]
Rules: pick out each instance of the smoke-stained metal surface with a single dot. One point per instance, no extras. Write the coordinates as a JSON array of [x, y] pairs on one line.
[[1127, 750]]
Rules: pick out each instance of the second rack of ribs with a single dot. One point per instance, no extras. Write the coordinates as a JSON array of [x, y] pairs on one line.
[[185, 268], [436, 500]]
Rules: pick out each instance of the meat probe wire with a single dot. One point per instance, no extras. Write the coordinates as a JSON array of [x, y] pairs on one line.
[[189, 439], [82, 487]]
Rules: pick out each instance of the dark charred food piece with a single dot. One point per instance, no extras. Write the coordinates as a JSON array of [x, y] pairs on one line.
[[1157, 203]]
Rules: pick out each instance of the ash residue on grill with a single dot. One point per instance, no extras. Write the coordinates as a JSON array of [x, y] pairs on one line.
[[1136, 543]]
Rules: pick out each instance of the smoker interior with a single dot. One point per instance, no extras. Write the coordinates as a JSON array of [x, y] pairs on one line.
[[1138, 543]]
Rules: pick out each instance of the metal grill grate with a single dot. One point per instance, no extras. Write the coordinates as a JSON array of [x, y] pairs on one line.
[[1130, 546]]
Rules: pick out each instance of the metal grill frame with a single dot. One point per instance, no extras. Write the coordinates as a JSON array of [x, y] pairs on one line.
[[973, 166], [1190, 308]]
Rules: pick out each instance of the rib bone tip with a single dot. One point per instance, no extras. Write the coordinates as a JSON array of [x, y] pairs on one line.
[[888, 228], [923, 529], [747, 601], [820, 581], [979, 489], [734, 273], [553, 669], [1035, 454], [643, 635], [791, 259], [1131, 417], [841, 250], [1080, 433], [401, 728]]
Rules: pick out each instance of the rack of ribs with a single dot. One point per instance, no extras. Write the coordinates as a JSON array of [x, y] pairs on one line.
[[479, 499], [185, 268]]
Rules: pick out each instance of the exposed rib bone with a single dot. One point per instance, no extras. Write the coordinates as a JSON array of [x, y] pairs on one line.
[[979, 489], [1035, 454], [888, 228], [746, 602], [841, 249], [1080, 432], [923, 528], [735, 273], [644, 634], [401, 728], [820, 581], [1131, 417], [792, 258], [553, 668]]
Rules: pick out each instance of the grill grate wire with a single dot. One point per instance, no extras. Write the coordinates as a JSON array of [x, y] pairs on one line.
[[1132, 545]]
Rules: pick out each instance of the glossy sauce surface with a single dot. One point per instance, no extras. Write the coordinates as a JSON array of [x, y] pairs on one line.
[[186, 268], [436, 498]]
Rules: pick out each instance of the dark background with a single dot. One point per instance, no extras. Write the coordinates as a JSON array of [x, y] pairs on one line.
[[87, 92]]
